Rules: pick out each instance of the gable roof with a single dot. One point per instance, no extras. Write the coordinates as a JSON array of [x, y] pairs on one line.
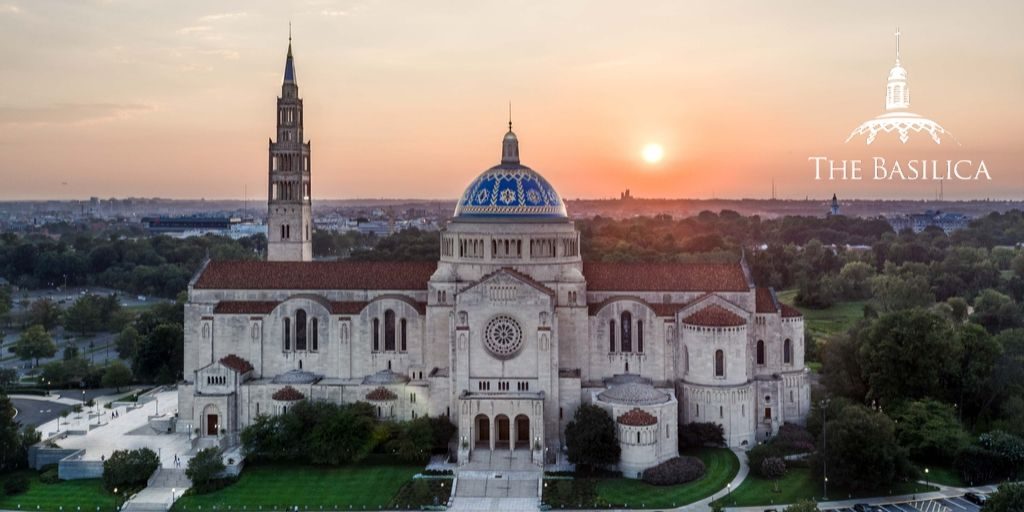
[[235, 363], [654, 277], [515, 274], [244, 307], [315, 275], [287, 394], [789, 311], [765, 301], [715, 316]]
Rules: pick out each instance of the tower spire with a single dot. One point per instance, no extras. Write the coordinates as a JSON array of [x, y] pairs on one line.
[[898, 33], [510, 115], [289, 62]]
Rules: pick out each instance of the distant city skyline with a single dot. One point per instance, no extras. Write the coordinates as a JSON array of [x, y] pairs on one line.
[[112, 98]]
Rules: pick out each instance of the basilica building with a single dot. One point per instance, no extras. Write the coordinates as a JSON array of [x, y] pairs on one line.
[[507, 334]]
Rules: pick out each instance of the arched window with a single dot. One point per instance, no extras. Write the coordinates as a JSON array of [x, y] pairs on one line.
[[376, 334], [300, 330], [389, 330], [287, 333], [640, 336], [315, 327], [686, 358], [787, 351], [611, 336], [760, 352], [402, 336], [627, 331], [719, 363]]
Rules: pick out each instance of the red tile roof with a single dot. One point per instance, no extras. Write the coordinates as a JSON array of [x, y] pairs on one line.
[[236, 363], [765, 301], [656, 277], [245, 307], [380, 394], [288, 394], [637, 418], [715, 316], [660, 308], [789, 311], [315, 275]]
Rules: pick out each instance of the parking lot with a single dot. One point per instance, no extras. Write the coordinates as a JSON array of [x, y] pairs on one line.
[[936, 505]]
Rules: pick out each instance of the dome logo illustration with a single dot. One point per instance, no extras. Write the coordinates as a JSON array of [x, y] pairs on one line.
[[898, 120]]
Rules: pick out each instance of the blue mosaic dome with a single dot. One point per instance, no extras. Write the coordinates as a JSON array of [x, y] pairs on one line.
[[510, 191]]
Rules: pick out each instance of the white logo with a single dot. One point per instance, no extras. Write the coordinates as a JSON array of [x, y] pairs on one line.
[[898, 119]]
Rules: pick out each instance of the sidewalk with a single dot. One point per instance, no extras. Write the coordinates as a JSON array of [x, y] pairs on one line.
[[943, 492]]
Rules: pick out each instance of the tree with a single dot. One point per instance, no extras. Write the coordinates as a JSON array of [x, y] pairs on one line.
[[996, 311], [895, 293], [862, 450], [204, 468], [5, 301], [590, 438], [35, 343], [695, 435], [414, 440], [959, 308], [855, 278], [841, 371], [117, 375], [10, 435], [83, 316], [129, 468], [128, 343], [929, 430], [44, 312], [160, 357], [909, 355], [8, 376], [1008, 497], [773, 468]]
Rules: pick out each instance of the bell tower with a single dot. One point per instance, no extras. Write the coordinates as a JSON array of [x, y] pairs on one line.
[[289, 206]]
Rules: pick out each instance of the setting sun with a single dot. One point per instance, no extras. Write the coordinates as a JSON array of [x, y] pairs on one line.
[[653, 153]]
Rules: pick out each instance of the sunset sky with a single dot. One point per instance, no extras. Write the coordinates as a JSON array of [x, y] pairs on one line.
[[408, 99]]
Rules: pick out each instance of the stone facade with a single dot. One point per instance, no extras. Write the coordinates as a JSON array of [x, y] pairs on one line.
[[507, 334]]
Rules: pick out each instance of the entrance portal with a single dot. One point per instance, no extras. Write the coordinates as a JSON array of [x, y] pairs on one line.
[[503, 429], [483, 430], [522, 431], [211, 424]]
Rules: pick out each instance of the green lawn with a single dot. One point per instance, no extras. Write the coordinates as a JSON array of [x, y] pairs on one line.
[[367, 484], [797, 485], [823, 323], [942, 476], [70, 494], [722, 465]]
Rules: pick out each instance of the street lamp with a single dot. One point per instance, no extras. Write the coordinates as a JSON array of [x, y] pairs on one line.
[[824, 449], [926, 482], [728, 493]]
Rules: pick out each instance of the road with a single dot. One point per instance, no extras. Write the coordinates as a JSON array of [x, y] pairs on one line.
[[33, 412]]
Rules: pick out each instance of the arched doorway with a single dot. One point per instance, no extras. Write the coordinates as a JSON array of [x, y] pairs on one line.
[[211, 420], [483, 430], [503, 430], [523, 431]]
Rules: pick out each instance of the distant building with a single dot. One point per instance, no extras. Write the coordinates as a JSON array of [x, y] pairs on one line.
[[834, 210], [918, 222], [196, 225], [625, 195]]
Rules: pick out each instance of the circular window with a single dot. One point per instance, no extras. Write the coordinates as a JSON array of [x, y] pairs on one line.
[[503, 336]]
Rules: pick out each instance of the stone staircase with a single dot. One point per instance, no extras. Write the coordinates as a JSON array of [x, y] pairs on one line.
[[165, 486]]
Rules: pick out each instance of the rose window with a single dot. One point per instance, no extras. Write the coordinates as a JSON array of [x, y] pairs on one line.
[[503, 336]]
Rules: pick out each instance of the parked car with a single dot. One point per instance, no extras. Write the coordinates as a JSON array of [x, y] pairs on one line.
[[976, 498]]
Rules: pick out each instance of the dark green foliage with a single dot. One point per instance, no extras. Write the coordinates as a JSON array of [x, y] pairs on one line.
[[422, 492], [793, 438], [128, 342], [929, 431], [757, 455], [773, 468], [117, 375], [14, 441], [129, 468], [16, 484], [803, 506], [677, 470], [204, 469], [443, 430], [409, 245], [413, 441], [50, 475], [44, 312], [576, 493], [160, 358], [909, 355], [35, 343], [1007, 445], [978, 466], [862, 451], [92, 313], [698, 434], [1008, 497], [590, 438]]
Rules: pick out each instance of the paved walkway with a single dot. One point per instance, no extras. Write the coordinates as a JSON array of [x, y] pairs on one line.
[[943, 492], [497, 480]]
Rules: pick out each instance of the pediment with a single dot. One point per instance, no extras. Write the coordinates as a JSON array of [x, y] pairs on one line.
[[506, 285]]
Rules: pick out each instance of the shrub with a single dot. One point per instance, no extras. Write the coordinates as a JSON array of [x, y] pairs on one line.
[[129, 468], [16, 484], [758, 454], [793, 438], [773, 467], [1005, 444], [674, 471], [977, 465], [693, 435], [203, 470], [49, 476], [591, 440]]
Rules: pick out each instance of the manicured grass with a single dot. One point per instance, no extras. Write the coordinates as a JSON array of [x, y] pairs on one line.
[[367, 484], [722, 465], [823, 323], [942, 476], [70, 494], [799, 484]]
